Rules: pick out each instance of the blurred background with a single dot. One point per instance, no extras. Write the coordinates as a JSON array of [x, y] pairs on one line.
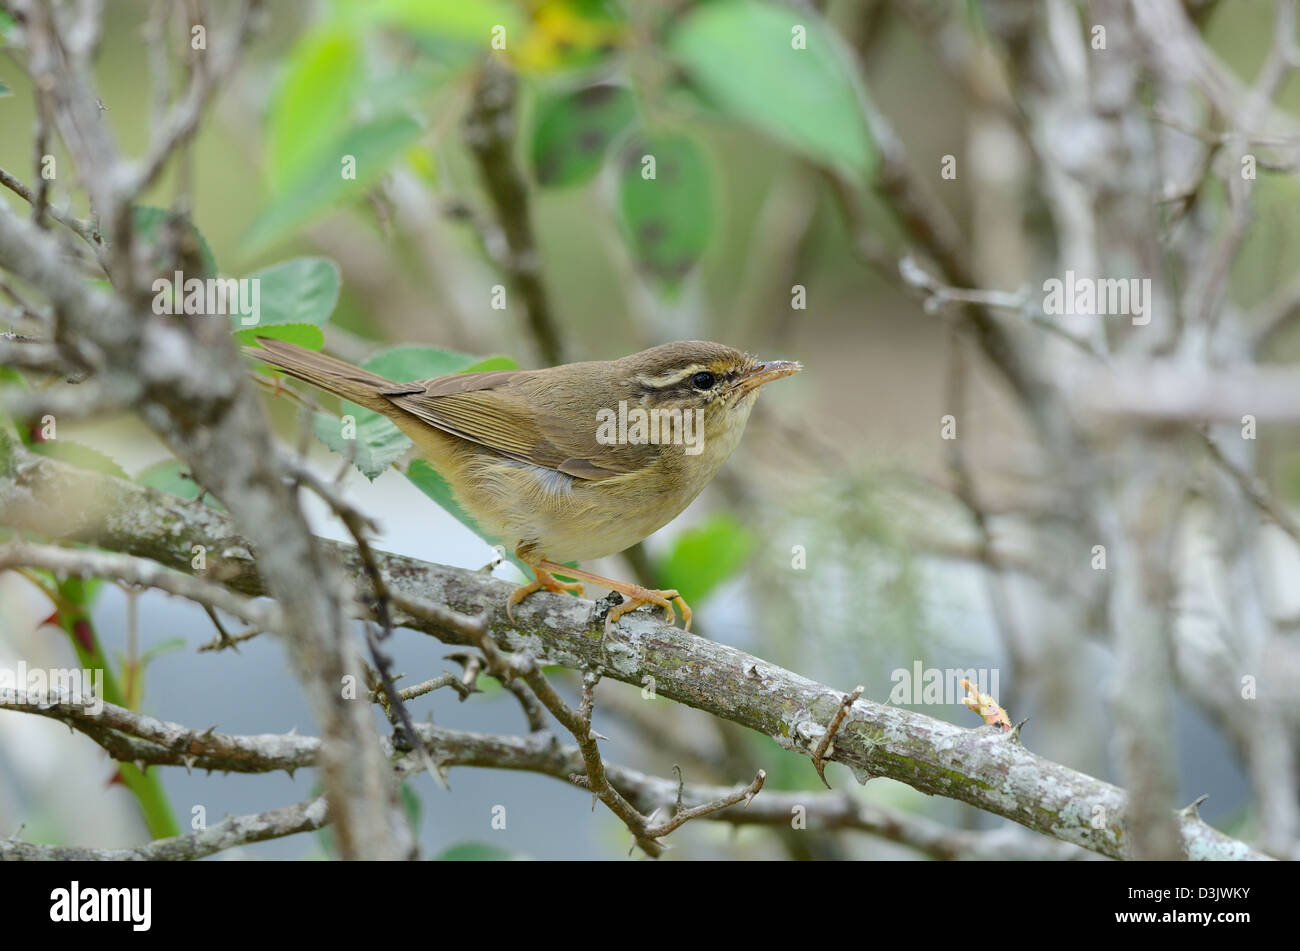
[[847, 539]]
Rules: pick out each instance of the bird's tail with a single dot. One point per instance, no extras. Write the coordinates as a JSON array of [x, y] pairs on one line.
[[327, 373]]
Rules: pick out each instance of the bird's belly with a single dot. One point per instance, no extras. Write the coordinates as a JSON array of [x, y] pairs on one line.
[[600, 533], [561, 518]]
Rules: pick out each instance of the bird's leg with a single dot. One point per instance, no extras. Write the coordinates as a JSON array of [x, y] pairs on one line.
[[544, 581], [635, 594]]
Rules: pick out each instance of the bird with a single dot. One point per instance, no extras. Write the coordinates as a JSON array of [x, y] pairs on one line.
[[572, 462]]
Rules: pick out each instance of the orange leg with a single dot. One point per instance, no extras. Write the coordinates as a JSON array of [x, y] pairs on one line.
[[635, 594], [545, 582]]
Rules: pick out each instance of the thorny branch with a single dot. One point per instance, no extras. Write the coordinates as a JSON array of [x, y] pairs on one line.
[[188, 384], [1082, 403], [983, 767], [131, 736]]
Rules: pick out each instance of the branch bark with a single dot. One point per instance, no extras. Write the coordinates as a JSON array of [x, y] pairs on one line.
[[117, 729], [188, 384], [984, 767]]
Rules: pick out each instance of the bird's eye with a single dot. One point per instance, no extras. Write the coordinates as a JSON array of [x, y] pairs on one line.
[[703, 381]]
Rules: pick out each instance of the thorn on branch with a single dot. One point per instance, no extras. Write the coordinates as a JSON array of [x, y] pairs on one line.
[[1192, 809], [824, 745]]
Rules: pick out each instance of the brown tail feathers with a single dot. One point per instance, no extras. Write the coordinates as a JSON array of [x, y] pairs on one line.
[[327, 373]]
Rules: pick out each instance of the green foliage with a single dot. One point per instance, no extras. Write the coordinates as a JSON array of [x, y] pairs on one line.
[[297, 297], [573, 131], [1293, 479], [404, 364], [378, 443], [570, 34], [786, 769], [73, 598], [172, 476], [329, 104], [311, 108], [1270, 250], [149, 221], [741, 56], [705, 556], [320, 187], [451, 21], [398, 93], [668, 219], [79, 455], [162, 648], [410, 806], [475, 852], [429, 481]]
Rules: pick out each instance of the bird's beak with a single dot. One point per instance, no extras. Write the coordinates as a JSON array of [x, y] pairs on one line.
[[765, 373]]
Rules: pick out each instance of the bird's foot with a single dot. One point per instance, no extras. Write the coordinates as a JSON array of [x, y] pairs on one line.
[[545, 581], [637, 596]]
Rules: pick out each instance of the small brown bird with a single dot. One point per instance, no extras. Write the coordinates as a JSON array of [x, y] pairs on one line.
[[572, 462]]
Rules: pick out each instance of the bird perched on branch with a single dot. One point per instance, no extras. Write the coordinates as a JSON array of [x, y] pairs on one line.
[[572, 462]]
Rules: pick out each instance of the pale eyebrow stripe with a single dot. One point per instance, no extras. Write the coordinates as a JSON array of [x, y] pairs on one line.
[[670, 379]]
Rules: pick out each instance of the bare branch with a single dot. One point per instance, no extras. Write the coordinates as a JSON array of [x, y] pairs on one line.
[[178, 746], [978, 766], [137, 571]]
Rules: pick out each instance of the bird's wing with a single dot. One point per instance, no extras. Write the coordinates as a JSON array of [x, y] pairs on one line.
[[489, 409]]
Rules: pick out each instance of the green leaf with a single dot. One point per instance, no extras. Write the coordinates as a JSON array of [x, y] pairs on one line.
[[411, 806], [374, 145], [148, 223], [408, 89], [304, 335], [404, 364], [428, 480], [455, 20], [79, 455], [375, 443], [312, 105], [573, 132], [475, 852], [169, 646], [667, 219], [172, 476], [705, 556], [295, 297], [378, 443], [741, 55]]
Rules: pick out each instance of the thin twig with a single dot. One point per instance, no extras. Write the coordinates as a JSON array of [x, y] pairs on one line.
[[137, 571], [489, 128]]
